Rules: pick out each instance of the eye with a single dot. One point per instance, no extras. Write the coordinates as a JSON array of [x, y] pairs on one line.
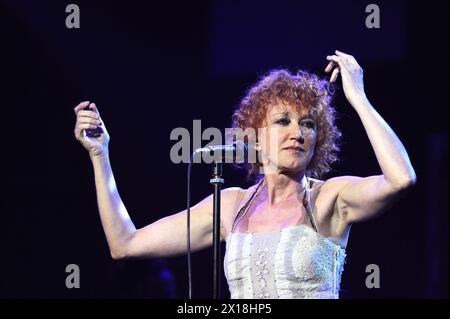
[[308, 124], [283, 121]]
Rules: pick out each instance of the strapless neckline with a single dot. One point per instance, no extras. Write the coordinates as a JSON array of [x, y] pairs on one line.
[[284, 229]]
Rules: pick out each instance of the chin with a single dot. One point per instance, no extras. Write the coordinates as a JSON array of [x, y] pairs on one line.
[[292, 164], [292, 168]]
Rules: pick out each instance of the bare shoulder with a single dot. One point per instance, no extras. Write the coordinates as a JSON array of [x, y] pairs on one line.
[[234, 198], [229, 201], [333, 186], [237, 193], [335, 183]]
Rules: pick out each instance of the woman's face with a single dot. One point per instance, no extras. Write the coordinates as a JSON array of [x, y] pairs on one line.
[[288, 139]]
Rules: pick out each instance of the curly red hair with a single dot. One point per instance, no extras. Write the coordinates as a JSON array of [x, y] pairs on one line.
[[302, 90]]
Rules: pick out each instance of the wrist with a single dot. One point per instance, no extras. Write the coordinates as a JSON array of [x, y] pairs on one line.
[[359, 101], [99, 156]]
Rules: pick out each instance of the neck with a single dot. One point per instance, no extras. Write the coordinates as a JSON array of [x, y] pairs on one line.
[[281, 187]]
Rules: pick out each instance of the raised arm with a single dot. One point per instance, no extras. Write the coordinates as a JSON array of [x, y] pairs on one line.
[[163, 238], [362, 198]]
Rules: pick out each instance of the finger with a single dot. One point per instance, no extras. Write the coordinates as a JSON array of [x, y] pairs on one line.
[[93, 107], [329, 66], [87, 126], [80, 128], [80, 106], [334, 75], [336, 59], [85, 119], [343, 62], [349, 57], [90, 114], [344, 55]]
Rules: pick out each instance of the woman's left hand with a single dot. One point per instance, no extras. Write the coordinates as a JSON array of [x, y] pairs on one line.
[[352, 75]]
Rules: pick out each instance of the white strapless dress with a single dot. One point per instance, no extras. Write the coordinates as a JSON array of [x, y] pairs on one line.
[[294, 262]]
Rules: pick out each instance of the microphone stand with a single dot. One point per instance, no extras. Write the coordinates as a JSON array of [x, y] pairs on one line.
[[217, 181]]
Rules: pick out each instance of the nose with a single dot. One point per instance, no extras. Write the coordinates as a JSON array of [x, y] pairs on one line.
[[297, 134]]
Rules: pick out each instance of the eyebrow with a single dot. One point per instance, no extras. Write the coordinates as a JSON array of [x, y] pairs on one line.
[[307, 116], [282, 113]]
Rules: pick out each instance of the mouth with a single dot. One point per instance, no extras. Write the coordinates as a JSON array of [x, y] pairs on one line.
[[295, 148]]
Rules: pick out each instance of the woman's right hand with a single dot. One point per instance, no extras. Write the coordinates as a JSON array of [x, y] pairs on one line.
[[90, 130]]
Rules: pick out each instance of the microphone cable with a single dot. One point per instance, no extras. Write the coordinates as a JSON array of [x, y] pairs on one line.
[[188, 226]]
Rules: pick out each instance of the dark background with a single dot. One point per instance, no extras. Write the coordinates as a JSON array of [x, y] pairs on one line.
[[153, 67]]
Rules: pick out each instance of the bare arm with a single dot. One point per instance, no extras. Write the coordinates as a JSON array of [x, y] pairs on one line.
[[167, 236], [362, 198], [116, 222], [163, 238]]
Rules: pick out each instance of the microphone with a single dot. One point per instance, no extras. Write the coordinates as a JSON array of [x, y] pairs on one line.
[[235, 152]]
